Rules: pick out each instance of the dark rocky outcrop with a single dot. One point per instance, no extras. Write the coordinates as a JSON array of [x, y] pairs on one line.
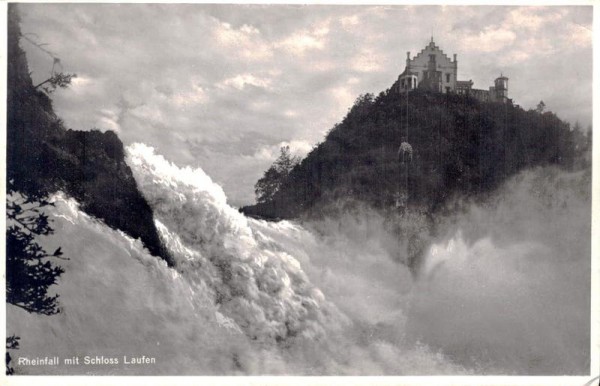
[[44, 157]]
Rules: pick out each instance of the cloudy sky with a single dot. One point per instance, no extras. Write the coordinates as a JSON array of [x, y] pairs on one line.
[[222, 87]]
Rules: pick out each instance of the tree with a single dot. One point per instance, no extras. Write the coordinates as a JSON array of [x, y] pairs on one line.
[[29, 272], [362, 105], [60, 79], [12, 343], [540, 107], [269, 184], [57, 79]]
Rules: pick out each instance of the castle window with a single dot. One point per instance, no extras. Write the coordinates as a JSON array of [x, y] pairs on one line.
[[447, 78]]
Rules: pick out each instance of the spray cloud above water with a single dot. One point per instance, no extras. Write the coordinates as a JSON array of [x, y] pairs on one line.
[[502, 288]]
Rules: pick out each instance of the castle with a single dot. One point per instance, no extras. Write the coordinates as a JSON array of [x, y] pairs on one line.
[[432, 70]]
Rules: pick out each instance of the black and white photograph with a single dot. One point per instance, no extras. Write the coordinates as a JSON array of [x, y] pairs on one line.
[[299, 190]]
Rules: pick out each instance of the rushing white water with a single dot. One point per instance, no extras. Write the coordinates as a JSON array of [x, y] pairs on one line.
[[503, 290]]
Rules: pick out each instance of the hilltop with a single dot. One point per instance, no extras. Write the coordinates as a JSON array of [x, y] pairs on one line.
[[462, 146]]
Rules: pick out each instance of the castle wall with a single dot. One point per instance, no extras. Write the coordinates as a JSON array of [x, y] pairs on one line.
[[482, 95]]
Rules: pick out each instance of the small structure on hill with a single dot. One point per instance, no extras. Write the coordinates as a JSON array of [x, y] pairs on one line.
[[405, 152], [433, 70]]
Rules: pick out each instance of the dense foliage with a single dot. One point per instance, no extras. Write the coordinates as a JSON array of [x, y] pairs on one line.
[[460, 146], [271, 181], [29, 271]]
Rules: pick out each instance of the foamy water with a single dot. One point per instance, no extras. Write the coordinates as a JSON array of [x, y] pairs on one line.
[[502, 290]]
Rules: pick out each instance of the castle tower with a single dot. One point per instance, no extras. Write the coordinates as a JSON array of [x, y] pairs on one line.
[[407, 80], [501, 89]]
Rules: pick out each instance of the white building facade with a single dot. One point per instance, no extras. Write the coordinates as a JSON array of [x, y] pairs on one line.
[[433, 70]]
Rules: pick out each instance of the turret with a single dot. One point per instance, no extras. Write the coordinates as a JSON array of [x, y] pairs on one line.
[[501, 88], [501, 83]]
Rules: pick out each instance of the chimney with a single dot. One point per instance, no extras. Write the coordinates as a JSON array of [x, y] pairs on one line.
[[407, 58], [455, 57]]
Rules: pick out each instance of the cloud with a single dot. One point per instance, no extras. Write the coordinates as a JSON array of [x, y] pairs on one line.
[[80, 83], [349, 21], [535, 18], [246, 40], [242, 80], [491, 39], [222, 87], [526, 18], [305, 40], [579, 35], [109, 120], [368, 61], [195, 96], [343, 97]]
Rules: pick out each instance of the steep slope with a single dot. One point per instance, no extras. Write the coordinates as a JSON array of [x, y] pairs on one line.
[[461, 146], [44, 157]]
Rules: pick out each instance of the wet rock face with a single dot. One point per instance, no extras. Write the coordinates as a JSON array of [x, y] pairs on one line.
[[44, 157]]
